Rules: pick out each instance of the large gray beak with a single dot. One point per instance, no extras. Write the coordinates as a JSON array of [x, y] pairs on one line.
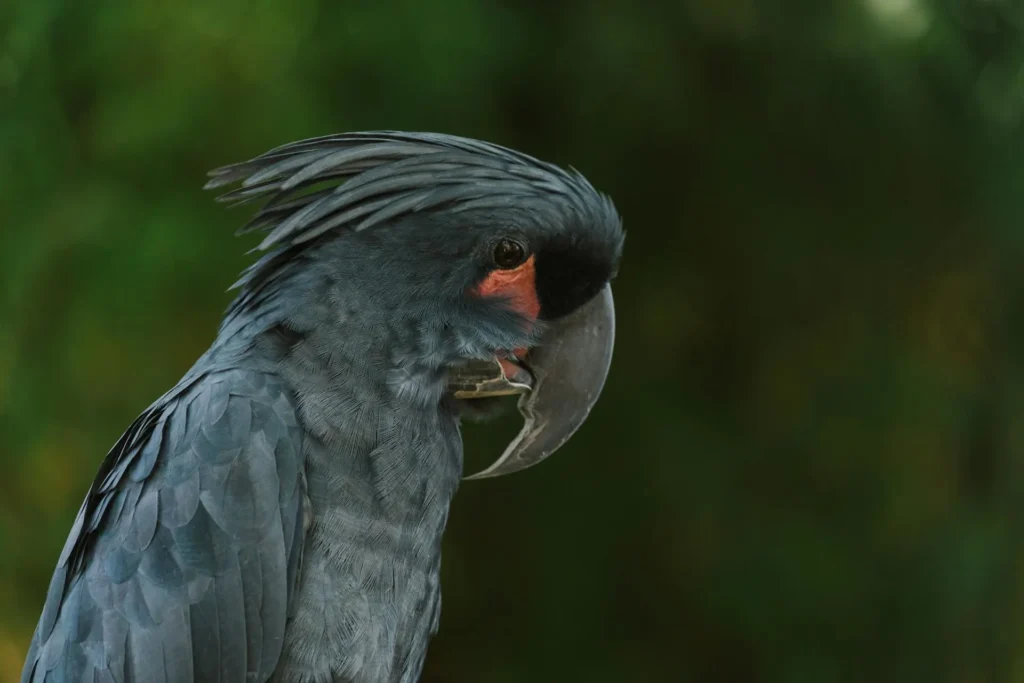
[[568, 370]]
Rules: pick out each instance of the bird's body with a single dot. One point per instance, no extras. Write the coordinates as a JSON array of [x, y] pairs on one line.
[[382, 460], [278, 515]]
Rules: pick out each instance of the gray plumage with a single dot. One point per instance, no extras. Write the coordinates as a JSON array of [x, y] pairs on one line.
[[181, 561], [277, 515]]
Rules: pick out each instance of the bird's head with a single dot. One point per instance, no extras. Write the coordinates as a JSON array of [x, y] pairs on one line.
[[499, 262]]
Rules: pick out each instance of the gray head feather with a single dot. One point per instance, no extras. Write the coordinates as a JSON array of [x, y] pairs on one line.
[[384, 175]]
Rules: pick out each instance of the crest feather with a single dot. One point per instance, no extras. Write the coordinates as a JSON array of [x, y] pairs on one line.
[[374, 177]]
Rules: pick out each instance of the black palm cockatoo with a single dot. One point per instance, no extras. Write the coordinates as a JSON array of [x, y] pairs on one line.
[[277, 515]]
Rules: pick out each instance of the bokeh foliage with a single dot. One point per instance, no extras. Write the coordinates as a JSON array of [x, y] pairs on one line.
[[808, 465]]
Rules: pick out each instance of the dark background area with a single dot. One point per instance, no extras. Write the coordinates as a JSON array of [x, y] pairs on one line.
[[808, 464]]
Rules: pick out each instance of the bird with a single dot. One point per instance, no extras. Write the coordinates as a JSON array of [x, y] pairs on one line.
[[278, 514]]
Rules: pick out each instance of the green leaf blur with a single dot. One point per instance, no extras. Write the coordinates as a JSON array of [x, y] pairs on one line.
[[808, 465]]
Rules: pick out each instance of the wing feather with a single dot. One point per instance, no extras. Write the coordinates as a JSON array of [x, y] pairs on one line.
[[183, 557]]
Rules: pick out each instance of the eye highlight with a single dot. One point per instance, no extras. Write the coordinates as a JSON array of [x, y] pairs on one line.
[[509, 253]]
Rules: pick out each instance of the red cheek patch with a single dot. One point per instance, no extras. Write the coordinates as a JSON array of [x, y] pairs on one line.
[[519, 285]]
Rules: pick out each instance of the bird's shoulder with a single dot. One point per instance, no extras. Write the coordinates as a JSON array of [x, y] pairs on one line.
[[196, 506]]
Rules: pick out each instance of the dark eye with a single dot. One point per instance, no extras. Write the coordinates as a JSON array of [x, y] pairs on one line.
[[508, 254]]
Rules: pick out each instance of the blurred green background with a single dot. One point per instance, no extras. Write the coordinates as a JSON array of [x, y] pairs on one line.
[[808, 465]]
